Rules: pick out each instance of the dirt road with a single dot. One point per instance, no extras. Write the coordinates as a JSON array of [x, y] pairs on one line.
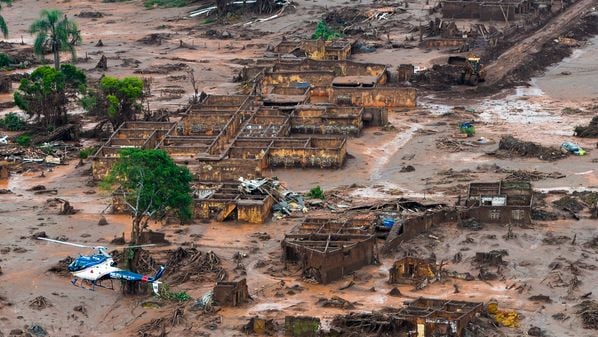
[[516, 55]]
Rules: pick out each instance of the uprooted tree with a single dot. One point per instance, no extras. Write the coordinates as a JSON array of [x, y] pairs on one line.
[[118, 100], [46, 93], [154, 187]]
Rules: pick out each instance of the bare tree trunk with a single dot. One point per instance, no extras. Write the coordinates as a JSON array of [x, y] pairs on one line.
[[132, 260], [56, 52]]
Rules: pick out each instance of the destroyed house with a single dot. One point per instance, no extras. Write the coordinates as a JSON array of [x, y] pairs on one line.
[[342, 83], [231, 294], [223, 201], [431, 317], [411, 269], [320, 49], [361, 225], [139, 135], [500, 202], [495, 10], [327, 257]]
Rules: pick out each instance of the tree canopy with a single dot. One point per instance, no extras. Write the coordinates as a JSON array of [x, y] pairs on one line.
[[153, 185], [57, 32], [119, 100], [44, 95], [3, 26]]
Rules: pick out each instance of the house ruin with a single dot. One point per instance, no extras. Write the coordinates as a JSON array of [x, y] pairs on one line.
[[326, 257], [431, 317], [496, 10], [503, 202], [231, 294], [411, 270], [425, 317]]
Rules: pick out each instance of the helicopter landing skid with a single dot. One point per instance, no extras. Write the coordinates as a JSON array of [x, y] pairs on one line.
[[91, 284]]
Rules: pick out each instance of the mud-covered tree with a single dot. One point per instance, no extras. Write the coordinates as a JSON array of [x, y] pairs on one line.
[[222, 6], [264, 6], [3, 26], [153, 186], [56, 32], [119, 100], [46, 93]]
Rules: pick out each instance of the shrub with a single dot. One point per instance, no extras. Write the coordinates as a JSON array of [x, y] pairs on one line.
[[12, 122], [316, 193], [325, 32], [86, 152], [5, 60], [23, 140]]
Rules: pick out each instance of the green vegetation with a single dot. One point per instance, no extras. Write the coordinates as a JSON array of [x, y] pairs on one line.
[[117, 99], [154, 186], [325, 32], [165, 3], [12, 122], [3, 26], [180, 296], [53, 28], [5, 60], [23, 140], [86, 152], [316, 193], [45, 94]]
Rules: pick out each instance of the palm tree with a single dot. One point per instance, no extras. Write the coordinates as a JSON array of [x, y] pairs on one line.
[[3, 27], [56, 30]]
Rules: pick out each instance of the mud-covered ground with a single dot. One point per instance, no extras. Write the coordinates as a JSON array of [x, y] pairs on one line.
[[537, 113]]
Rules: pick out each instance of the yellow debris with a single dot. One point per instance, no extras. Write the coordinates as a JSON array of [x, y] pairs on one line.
[[510, 319]]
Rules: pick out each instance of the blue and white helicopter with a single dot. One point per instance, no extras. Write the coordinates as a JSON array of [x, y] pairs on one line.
[[100, 266]]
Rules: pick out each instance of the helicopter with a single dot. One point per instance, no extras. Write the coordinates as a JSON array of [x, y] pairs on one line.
[[100, 266]]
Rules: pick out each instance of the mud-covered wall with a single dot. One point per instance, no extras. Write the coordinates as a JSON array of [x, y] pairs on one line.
[[520, 215], [226, 169], [314, 78], [409, 228], [254, 211], [377, 97], [101, 166]]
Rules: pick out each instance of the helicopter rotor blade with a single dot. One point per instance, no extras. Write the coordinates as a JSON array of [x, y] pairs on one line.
[[138, 246], [64, 242]]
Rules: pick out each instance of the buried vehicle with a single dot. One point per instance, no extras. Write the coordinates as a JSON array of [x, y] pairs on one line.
[[472, 70]]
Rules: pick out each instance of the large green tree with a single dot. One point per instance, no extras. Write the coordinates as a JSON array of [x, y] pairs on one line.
[[154, 186], [119, 100], [56, 31], [3, 26], [45, 94]]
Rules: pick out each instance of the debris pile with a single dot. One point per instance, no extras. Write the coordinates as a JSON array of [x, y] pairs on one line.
[[336, 302], [184, 264], [590, 131], [40, 303], [286, 201], [588, 311], [510, 146], [61, 267]]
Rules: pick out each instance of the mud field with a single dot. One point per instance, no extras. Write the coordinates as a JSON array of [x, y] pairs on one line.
[[550, 266]]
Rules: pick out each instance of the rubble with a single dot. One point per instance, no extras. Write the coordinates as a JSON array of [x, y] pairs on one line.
[[509, 146], [589, 131], [588, 311], [336, 302], [40, 303]]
